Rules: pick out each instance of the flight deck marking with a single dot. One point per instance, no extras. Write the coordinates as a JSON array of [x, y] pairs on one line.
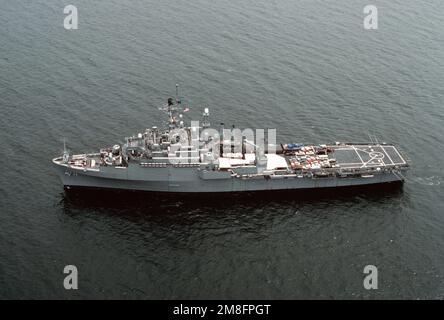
[[400, 157], [388, 156], [362, 161], [373, 157]]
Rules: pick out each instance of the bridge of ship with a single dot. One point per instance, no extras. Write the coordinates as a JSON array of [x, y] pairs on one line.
[[367, 156]]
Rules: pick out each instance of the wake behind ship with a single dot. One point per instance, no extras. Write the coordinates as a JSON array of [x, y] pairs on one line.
[[175, 159]]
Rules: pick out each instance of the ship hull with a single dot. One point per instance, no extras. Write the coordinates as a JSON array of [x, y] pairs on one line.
[[191, 180]]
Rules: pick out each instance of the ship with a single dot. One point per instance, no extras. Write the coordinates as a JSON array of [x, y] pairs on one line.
[[176, 158]]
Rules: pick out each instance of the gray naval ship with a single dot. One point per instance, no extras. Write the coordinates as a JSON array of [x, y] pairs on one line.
[[177, 159]]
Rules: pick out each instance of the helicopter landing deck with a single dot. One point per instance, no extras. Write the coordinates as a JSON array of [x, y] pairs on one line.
[[367, 156]]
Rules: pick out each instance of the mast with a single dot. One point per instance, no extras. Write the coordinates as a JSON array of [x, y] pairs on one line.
[[65, 152], [172, 109], [177, 94]]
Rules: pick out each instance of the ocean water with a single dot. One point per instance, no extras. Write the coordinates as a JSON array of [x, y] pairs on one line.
[[307, 68]]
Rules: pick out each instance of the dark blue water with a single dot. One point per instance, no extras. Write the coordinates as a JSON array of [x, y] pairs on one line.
[[307, 68]]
